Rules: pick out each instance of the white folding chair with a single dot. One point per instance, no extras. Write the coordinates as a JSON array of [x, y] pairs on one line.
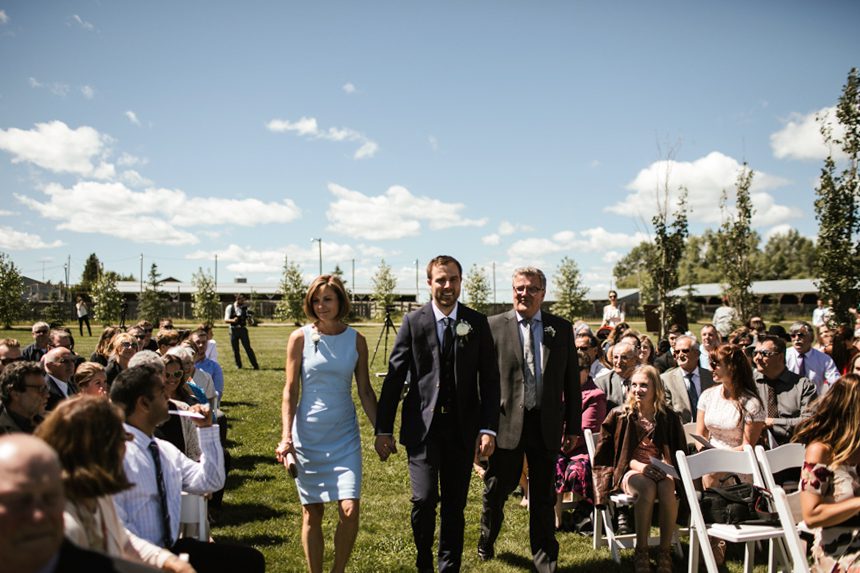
[[711, 461], [602, 518], [773, 461], [194, 517], [690, 428], [792, 540]]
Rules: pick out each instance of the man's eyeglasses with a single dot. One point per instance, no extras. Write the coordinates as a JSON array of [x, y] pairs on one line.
[[8, 361], [683, 350], [765, 353], [128, 344], [531, 290], [799, 334]]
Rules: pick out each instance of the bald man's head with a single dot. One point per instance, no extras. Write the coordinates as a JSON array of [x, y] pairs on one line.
[[31, 503], [60, 363]]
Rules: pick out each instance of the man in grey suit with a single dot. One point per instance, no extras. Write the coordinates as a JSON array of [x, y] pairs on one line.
[[686, 383], [616, 382], [540, 399], [787, 396], [450, 406]]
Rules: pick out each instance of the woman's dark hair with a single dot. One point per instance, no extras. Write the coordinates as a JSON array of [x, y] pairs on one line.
[[740, 383], [843, 336], [88, 435], [835, 420]]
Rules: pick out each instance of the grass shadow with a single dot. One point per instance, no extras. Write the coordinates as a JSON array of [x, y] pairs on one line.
[[253, 540], [239, 513]]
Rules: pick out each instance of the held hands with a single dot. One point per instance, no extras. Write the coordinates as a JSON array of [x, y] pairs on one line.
[[177, 565], [569, 443], [486, 446], [204, 411], [385, 446], [653, 472]]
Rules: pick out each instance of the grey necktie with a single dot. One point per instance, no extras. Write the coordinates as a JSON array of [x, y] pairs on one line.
[[529, 370]]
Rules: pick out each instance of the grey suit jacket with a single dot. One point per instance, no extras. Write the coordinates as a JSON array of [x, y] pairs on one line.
[[561, 400], [676, 391], [615, 388]]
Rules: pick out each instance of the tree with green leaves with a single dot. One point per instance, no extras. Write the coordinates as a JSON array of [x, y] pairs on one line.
[[107, 300], [787, 255], [570, 293], [837, 207], [669, 237], [206, 305], [11, 291], [292, 290], [632, 271], [153, 302], [384, 282], [477, 287], [738, 246], [92, 270]]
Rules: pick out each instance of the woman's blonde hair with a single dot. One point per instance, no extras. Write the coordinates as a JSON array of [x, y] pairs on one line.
[[117, 340], [835, 420], [334, 283], [653, 376], [86, 372]]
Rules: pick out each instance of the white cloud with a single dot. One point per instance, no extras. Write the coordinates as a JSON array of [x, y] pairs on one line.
[[56, 147], [611, 257], [5, 213], [155, 215], [129, 160], [308, 127], [508, 228], [135, 179], [88, 92], [13, 240], [434, 143], [394, 215], [83, 24], [248, 260], [132, 117], [349, 88], [593, 240], [801, 137], [705, 179], [57, 88], [492, 239], [782, 229], [4, 18]]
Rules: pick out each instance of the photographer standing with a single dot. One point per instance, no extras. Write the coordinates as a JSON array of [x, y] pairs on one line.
[[236, 316]]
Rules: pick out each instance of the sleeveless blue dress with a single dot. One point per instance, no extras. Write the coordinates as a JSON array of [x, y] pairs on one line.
[[325, 429]]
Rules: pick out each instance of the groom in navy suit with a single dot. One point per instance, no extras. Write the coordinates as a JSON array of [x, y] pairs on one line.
[[443, 365]]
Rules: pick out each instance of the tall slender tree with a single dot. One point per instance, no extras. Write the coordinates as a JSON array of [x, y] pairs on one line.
[[570, 293], [837, 207], [107, 300], [153, 302], [207, 305], [669, 237], [11, 291], [737, 244], [477, 287], [292, 290], [92, 270], [384, 282]]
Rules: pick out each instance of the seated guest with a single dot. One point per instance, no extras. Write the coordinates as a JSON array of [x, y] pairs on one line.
[[123, 346], [62, 338], [10, 352], [757, 327], [666, 360], [787, 397], [200, 341], [710, 340], [91, 380], [178, 430], [614, 383], [199, 382], [103, 348], [211, 345], [573, 470], [144, 327], [646, 354], [24, 395], [31, 539], [828, 480], [34, 352], [686, 383], [808, 362], [854, 365], [140, 392], [644, 427], [594, 354], [88, 435], [60, 367], [166, 339], [841, 348]]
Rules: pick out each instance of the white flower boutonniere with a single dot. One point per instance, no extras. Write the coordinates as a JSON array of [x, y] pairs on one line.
[[315, 337], [463, 329], [549, 331]]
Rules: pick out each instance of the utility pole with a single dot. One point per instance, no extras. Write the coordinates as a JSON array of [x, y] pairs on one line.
[[416, 281], [141, 273], [353, 281], [216, 272], [319, 240], [494, 282]]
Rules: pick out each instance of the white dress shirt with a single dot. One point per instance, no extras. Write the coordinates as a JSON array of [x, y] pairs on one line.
[[820, 368], [139, 508]]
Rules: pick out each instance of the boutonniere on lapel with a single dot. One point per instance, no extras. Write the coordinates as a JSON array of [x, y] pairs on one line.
[[549, 331], [462, 330], [315, 337]]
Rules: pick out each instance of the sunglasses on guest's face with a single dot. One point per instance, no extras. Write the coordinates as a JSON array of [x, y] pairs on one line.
[[178, 374], [765, 353], [128, 344]]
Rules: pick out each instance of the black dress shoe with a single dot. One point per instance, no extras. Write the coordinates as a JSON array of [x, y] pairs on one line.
[[485, 551]]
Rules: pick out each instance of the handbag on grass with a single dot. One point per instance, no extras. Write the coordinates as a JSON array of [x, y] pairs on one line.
[[738, 503]]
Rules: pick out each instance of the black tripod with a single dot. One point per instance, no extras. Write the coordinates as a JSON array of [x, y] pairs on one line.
[[387, 326]]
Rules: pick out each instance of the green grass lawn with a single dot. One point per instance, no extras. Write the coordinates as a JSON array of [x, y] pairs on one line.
[[261, 507]]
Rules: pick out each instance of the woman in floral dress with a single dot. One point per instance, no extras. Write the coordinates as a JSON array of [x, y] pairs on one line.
[[829, 484]]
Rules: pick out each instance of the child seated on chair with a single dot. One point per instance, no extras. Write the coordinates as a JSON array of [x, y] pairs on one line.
[[630, 436]]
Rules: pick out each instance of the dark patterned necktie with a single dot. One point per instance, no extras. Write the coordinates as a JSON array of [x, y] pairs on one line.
[[772, 407], [166, 537], [692, 394]]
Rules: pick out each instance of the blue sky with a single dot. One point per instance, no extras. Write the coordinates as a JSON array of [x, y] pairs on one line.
[[499, 132]]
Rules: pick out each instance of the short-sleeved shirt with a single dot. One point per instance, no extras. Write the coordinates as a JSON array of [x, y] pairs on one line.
[[722, 418]]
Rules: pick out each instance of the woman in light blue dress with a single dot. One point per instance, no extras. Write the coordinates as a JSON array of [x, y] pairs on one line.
[[321, 429]]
